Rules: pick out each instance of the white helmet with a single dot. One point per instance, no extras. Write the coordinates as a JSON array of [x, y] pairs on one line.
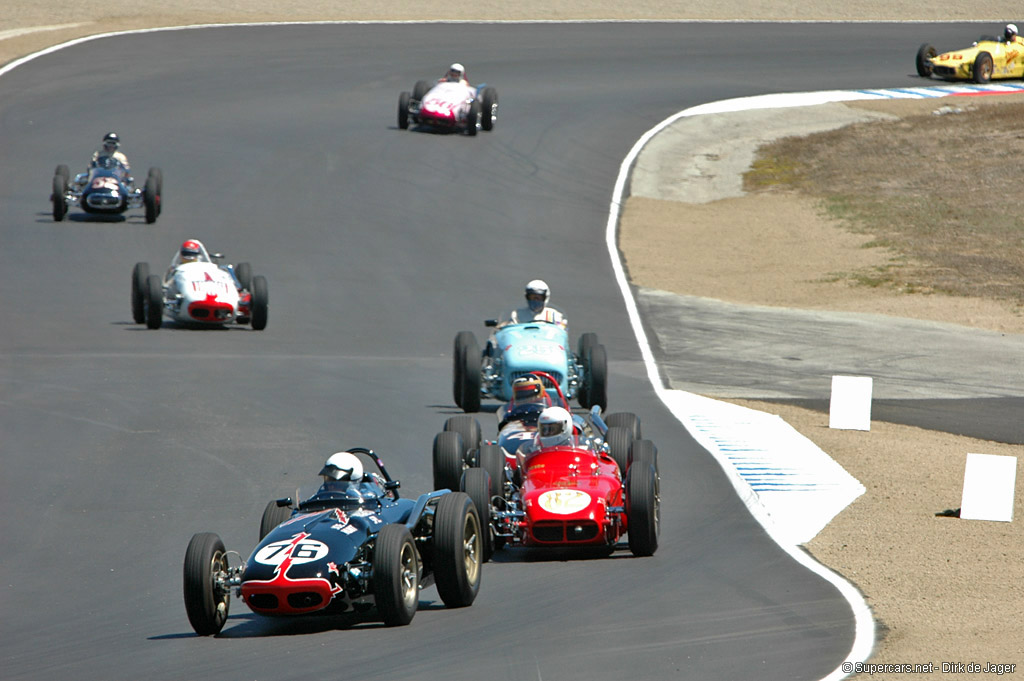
[[554, 427], [537, 287], [1011, 32], [456, 72], [342, 466]]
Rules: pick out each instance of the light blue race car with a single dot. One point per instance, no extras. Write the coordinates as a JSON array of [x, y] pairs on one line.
[[518, 349]]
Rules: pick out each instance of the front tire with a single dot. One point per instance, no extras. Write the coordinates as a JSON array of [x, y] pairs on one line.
[[151, 199], [626, 420], [982, 71], [473, 118], [620, 441], [206, 603], [260, 300], [458, 550], [468, 427], [140, 278], [643, 511], [396, 570], [923, 60], [595, 364], [420, 90], [243, 273], [154, 302]]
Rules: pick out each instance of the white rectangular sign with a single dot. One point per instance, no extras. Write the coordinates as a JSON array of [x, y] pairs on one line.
[[850, 406], [989, 487]]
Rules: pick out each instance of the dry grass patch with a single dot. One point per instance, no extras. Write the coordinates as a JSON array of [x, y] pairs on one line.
[[941, 190]]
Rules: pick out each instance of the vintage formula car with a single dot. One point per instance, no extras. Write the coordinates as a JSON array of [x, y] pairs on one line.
[[201, 293], [575, 495], [989, 58], [449, 106], [107, 188], [457, 447], [353, 545], [519, 349]]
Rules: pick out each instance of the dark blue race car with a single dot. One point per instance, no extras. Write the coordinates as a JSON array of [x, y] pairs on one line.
[[352, 546], [107, 188]]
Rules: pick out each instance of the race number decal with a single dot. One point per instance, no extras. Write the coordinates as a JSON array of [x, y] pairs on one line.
[[564, 501], [536, 349], [105, 183], [303, 551]]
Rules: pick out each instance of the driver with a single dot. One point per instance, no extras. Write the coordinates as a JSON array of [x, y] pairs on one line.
[[342, 467], [537, 310], [554, 429], [191, 250], [1010, 35], [111, 146], [456, 74]]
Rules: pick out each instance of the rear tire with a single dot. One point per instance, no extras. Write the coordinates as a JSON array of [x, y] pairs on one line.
[[154, 302], [140, 278], [260, 300], [60, 205], [159, 175], [419, 90], [448, 453], [205, 604], [468, 427], [620, 441], [488, 108], [595, 379], [643, 453], [923, 63], [625, 419], [458, 550], [403, 111], [243, 273], [643, 511], [477, 486], [63, 171], [396, 570], [473, 118], [467, 372], [273, 515]]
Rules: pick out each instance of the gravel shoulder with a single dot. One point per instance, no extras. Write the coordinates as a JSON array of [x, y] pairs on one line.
[[941, 589]]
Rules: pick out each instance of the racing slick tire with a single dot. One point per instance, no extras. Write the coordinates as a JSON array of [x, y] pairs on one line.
[[63, 171], [151, 200], [644, 453], [273, 515], [458, 550], [982, 70], [468, 427], [140, 278], [206, 604], [243, 273], [60, 204], [488, 108], [620, 441], [586, 341], [260, 300], [595, 378], [448, 460], [473, 118], [476, 483], [403, 111], [159, 175], [492, 460], [626, 420], [466, 372], [420, 89], [154, 302], [924, 66], [643, 510], [396, 575]]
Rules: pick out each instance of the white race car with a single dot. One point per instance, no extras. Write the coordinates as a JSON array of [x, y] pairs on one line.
[[449, 106], [200, 293]]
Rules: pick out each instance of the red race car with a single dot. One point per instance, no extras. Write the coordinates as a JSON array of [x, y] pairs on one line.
[[597, 484]]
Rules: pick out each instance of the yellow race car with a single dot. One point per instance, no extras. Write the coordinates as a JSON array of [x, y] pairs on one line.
[[986, 59]]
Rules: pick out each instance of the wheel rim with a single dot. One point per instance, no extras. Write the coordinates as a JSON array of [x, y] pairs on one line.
[[409, 576], [218, 570], [471, 549]]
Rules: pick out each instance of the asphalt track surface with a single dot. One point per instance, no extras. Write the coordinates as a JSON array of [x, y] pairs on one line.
[[279, 147]]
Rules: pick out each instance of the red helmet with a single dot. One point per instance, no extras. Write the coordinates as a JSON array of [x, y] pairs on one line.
[[190, 251]]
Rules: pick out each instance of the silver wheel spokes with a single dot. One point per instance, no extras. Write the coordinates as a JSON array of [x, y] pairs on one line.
[[470, 548], [409, 574]]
